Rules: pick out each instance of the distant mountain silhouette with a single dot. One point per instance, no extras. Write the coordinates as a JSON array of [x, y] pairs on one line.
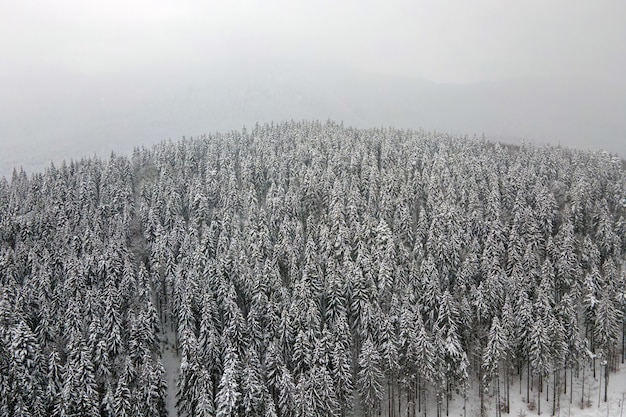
[[74, 118]]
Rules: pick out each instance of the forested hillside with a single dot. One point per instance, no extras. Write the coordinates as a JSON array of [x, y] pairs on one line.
[[303, 269]]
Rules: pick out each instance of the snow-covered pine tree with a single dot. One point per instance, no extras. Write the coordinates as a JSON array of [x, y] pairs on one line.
[[228, 397], [370, 378]]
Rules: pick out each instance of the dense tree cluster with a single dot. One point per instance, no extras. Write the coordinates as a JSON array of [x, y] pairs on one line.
[[308, 269]]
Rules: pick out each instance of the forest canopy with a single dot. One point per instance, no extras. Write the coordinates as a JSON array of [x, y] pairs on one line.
[[307, 268]]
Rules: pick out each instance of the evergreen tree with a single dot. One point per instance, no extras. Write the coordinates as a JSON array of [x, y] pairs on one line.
[[494, 355], [539, 350], [229, 394], [287, 395], [370, 378]]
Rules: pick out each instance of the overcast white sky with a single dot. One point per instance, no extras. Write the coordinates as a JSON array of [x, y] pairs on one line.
[[442, 40], [85, 76]]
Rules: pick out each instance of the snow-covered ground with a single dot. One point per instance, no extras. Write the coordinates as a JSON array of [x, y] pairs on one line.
[[593, 396], [171, 363], [594, 399]]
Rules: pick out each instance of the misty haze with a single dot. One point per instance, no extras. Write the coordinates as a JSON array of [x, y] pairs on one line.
[[80, 116], [79, 80], [294, 209]]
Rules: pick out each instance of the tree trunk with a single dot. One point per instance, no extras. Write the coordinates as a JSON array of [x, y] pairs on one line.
[[419, 394], [554, 391], [393, 396], [582, 397], [594, 357], [438, 397], [606, 381], [465, 399], [623, 335], [558, 400], [520, 371], [399, 397], [448, 399], [389, 393], [481, 393], [424, 396], [571, 385], [498, 411], [410, 400], [539, 396], [528, 382], [508, 390]]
